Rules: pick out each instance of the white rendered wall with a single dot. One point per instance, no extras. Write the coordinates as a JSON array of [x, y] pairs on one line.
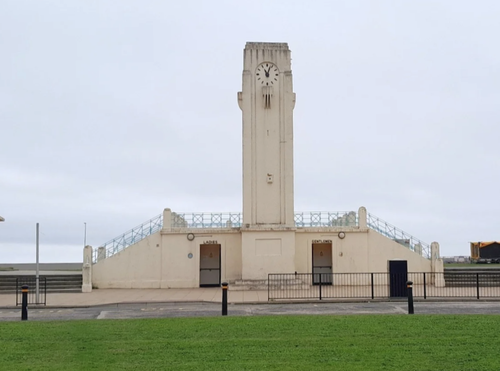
[[161, 260], [182, 271], [360, 251], [137, 266], [267, 252], [382, 249]]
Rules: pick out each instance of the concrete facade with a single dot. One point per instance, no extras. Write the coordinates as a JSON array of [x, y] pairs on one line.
[[267, 101], [169, 259], [268, 239]]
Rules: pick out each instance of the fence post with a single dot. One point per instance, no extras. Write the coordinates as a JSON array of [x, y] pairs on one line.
[[477, 284], [410, 296], [17, 292], [268, 286], [24, 308], [320, 286], [425, 287], [224, 298], [373, 290]]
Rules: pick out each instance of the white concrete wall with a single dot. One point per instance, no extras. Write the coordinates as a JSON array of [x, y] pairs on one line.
[[137, 266], [348, 254], [382, 249], [360, 251], [181, 271], [161, 261], [265, 252]]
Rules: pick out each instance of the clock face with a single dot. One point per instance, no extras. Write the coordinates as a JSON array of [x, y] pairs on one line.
[[267, 74]]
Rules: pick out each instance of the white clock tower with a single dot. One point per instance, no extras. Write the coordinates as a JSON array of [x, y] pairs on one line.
[[267, 101]]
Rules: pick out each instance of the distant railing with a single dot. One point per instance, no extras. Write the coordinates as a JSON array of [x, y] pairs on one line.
[[326, 219], [396, 234], [228, 220], [320, 286], [235, 220], [206, 220], [30, 281], [130, 237]]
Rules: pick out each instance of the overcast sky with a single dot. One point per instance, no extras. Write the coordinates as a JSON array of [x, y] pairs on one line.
[[111, 111]]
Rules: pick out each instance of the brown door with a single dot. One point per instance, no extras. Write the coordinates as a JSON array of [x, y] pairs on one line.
[[209, 265], [322, 263]]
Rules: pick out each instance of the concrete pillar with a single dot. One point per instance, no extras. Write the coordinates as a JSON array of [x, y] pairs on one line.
[[362, 215], [434, 251], [87, 269], [101, 253], [418, 249], [437, 265], [167, 220]]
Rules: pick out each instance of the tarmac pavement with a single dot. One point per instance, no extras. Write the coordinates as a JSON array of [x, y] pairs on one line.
[[202, 302], [114, 296]]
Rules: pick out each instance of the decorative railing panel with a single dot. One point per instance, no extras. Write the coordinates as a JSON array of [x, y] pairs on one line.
[[326, 219], [206, 220], [228, 220]]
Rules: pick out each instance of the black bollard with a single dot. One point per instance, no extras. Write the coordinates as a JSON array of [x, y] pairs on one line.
[[410, 296], [224, 298], [24, 307]]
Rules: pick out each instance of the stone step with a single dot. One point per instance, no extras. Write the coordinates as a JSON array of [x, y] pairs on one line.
[[52, 290], [55, 283]]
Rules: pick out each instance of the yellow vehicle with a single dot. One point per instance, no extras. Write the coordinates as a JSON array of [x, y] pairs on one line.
[[485, 252]]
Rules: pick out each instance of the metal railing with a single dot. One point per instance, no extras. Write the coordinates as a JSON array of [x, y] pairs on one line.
[[394, 233], [235, 220], [30, 281], [130, 237], [229, 220], [206, 220], [218, 220], [326, 219], [320, 286]]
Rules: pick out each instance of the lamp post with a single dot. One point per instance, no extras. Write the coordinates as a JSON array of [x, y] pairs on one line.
[[37, 277]]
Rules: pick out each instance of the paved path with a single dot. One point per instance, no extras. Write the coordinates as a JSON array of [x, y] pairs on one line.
[[142, 296], [164, 310], [113, 296]]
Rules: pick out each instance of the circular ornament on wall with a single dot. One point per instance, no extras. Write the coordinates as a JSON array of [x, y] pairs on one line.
[[190, 236], [341, 235]]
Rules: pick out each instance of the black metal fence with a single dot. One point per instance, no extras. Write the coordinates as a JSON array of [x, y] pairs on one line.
[[33, 298], [309, 286]]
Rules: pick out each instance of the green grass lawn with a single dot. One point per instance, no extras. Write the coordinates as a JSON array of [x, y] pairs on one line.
[[460, 265], [471, 265], [366, 342]]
